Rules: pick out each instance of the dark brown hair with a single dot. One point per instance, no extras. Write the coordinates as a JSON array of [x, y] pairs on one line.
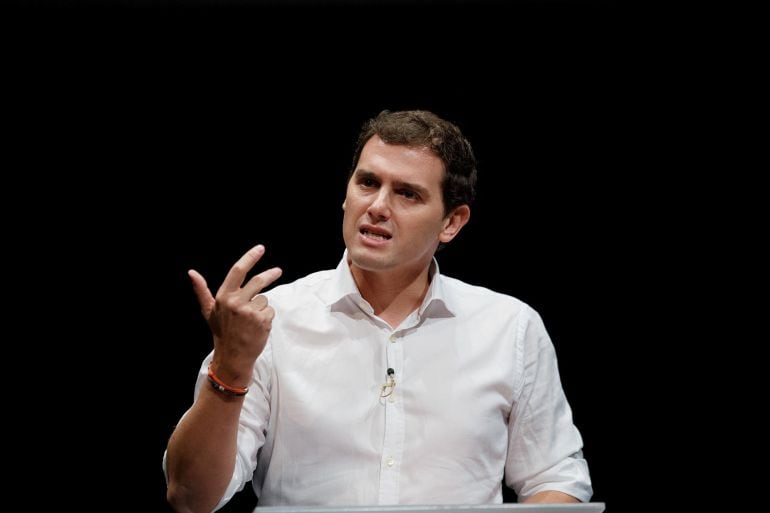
[[420, 128]]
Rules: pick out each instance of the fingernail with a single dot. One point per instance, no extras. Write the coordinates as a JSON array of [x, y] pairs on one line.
[[260, 248]]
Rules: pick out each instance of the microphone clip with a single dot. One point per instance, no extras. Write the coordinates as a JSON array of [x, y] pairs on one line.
[[390, 384]]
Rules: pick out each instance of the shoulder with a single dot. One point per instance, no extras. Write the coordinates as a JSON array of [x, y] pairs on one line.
[[300, 290], [475, 298]]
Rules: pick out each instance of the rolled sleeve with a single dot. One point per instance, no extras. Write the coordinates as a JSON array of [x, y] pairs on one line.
[[544, 446], [252, 423]]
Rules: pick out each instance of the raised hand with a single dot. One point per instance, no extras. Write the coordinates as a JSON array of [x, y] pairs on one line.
[[239, 317]]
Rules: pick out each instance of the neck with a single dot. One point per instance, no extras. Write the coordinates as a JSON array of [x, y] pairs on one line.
[[393, 296]]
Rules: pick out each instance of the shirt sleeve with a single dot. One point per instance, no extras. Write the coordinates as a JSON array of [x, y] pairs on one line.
[[544, 446], [252, 423]]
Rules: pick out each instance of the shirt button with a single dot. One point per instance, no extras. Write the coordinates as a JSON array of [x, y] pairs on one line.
[[392, 337], [392, 398], [390, 461]]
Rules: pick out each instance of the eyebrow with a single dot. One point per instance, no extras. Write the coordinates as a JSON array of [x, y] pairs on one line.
[[419, 189]]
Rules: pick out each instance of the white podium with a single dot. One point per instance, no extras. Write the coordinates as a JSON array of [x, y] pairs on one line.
[[583, 507]]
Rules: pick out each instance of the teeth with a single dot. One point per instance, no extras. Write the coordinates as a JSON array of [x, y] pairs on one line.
[[375, 235]]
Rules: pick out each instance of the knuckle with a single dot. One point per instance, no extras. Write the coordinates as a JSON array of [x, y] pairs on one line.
[[265, 318], [228, 302]]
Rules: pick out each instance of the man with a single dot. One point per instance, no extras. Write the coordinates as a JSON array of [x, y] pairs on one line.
[[382, 381]]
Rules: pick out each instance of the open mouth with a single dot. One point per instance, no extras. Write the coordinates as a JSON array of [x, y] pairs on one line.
[[372, 234]]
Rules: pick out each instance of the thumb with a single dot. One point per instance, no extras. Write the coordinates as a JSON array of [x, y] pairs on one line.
[[202, 292]]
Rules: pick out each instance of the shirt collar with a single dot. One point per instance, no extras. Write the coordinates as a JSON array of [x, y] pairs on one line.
[[342, 286]]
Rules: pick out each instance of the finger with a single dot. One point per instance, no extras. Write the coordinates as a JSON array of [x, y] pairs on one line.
[[202, 292], [269, 314], [260, 281], [259, 301], [238, 271]]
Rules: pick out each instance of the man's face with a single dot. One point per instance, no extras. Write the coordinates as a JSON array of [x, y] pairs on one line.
[[394, 212]]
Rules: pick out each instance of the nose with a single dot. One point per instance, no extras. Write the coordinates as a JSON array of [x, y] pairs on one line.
[[379, 208]]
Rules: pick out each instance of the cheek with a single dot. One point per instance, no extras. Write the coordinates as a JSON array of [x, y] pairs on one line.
[[353, 205], [349, 216]]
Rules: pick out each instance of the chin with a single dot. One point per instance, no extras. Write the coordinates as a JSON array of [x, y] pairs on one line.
[[364, 259]]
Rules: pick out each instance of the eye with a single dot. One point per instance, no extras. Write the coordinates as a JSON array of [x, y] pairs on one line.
[[408, 194], [368, 182]]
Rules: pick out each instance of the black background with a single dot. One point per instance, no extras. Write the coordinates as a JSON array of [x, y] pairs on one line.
[[187, 133]]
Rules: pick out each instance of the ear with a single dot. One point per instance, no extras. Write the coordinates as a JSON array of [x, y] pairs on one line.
[[454, 222]]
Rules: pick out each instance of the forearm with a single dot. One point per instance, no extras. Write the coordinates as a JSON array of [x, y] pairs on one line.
[[201, 452], [551, 497]]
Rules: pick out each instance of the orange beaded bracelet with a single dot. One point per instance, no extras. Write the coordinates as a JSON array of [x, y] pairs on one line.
[[220, 386]]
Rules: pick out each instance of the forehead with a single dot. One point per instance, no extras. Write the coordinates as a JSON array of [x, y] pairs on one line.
[[404, 163]]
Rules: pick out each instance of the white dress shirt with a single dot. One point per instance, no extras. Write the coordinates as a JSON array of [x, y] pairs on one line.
[[477, 393]]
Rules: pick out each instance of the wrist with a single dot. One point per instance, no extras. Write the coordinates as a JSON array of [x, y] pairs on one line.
[[227, 388], [235, 375]]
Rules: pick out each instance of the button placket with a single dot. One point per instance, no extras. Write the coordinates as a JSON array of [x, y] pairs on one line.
[[393, 443]]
